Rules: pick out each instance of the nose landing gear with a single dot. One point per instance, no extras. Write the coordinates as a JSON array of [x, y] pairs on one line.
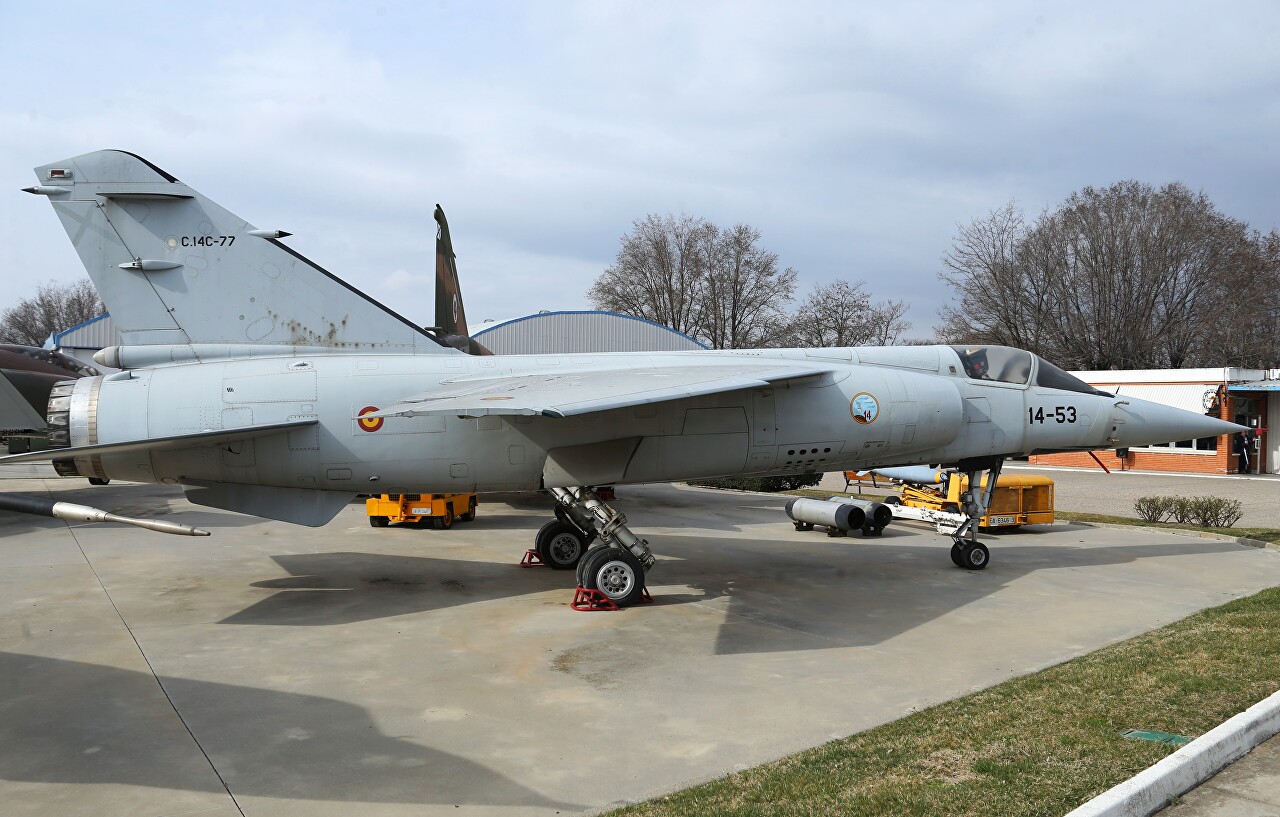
[[966, 550]]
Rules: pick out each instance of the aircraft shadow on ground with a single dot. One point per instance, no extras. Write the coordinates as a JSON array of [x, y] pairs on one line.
[[807, 599], [341, 588], [72, 722], [786, 596]]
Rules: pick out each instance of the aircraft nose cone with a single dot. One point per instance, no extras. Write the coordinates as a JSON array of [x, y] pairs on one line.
[[1145, 423]]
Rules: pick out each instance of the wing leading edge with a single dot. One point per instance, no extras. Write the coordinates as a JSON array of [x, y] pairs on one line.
[[565, 394]]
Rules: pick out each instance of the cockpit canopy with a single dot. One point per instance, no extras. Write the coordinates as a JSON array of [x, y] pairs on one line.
[[1005, 364]]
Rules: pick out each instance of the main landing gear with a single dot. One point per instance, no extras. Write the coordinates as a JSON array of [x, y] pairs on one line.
[[968, 552], [615, 567]]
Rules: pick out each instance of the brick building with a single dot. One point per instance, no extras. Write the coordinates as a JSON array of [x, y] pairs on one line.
[[1250, 397]]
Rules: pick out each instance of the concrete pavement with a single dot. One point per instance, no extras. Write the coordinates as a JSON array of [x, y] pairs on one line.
[[278, 670], [1250, 787]]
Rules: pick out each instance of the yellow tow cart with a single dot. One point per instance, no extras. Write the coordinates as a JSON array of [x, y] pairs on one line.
[[440, 510]]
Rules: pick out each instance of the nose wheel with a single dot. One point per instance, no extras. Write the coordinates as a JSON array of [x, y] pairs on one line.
[[970, 555]]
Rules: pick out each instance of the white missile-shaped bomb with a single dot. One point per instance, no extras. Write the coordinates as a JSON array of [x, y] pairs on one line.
[[916, 474], [72, 512], [827, 514]]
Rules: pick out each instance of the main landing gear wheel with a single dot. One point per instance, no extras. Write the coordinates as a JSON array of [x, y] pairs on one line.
[[974, 556], [955, 554], [560, 545], [616, 572]]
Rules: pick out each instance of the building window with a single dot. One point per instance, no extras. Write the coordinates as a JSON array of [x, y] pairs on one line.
[[1204, 445]]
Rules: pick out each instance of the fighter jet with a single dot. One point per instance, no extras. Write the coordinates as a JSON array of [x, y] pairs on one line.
[[263, 384], [27, 375]]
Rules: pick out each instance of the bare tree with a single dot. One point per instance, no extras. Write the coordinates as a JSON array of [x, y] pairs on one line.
[[1246, 330], [54, 307], [716, 285], [841, 314], [890, 320], [743, 292], [1123, 277], [657, 272]]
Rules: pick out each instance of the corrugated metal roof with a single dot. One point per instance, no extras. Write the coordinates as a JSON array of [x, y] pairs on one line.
[[1185, 396], [569, 332], [95, 333]]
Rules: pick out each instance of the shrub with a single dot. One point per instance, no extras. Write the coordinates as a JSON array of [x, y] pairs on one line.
[[1182, 509], [1205, 511], [1216, 512], [1152, 508]]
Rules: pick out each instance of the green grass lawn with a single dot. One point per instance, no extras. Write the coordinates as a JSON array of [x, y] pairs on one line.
[[1038, 745]]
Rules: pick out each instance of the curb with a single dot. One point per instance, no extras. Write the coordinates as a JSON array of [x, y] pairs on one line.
[[1151, 789]]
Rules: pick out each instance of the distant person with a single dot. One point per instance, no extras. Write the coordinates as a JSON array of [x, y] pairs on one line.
[[1241, 447]]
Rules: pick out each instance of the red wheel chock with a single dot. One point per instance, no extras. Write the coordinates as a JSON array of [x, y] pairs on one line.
[[586, 601], [589, 601], [531, 559]]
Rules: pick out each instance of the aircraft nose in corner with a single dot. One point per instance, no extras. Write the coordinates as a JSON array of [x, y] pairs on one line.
[[1145, 423]]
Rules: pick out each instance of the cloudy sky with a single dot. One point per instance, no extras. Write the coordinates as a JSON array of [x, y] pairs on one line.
[[856, 137]]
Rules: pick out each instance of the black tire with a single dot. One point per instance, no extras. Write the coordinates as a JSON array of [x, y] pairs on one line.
[[892, 500], [582, 563], [445, 522], [470, 514], [974, 556], [560, 545], [955, 555], [99, 481], [379, 521], [616, 572]]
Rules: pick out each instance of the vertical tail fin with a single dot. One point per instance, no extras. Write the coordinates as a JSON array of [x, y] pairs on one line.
[[173, 267], [451, 318]]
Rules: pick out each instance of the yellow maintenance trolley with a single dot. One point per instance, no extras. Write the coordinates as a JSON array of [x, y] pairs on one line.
[[1018, 500], [932, 495], [438, 509]]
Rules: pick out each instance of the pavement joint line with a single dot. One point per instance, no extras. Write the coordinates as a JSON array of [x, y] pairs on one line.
[[152, 670], [1151, 789], [1193, 534]]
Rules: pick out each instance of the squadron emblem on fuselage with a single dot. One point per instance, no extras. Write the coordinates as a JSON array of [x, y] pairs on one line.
[[864, 408]]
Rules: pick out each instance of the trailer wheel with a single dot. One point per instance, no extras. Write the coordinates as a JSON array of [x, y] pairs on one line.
[[471, 511], [378, 521], [445, 522]]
